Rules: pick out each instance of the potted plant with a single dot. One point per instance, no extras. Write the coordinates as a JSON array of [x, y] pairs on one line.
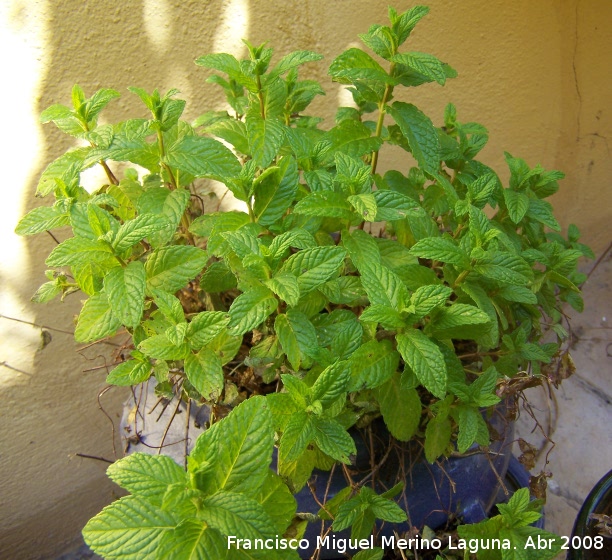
[[346, 317]]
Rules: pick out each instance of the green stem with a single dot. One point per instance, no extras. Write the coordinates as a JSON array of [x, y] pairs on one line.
[[185, 221], [262, 106], [250, 209], [162, 155], [381, 115], [461, 278], [111, 177]]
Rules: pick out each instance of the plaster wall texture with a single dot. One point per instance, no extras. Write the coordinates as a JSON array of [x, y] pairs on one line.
[[534, 73]]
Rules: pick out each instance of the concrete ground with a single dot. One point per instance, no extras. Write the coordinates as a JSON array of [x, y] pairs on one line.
[[577, 416], [579, 413]]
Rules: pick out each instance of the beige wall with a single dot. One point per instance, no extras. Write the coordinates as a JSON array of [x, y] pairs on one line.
[[535, 73]]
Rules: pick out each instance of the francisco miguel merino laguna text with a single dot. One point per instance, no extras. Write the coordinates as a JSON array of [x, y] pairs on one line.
[[343, 545]]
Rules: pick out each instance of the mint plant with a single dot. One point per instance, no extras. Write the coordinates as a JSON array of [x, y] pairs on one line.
[[341, 294], [513, 531]]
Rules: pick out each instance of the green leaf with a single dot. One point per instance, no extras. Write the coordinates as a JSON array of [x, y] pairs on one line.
[[372, 554], [362, 248], [205, 373], [277, 501], [331, 383], [350, 137], [425, 64], [226, 346], [315, 266], [372, 364], [239, 447], [243, 242], [165, 203], [392, 205], [170, 306], [193, 540], [41, 219], [205, 326], [96, 320], [298, 238], [519, 294], [517, 204], [437, 437], [293, 60], [388, 317], [90, 276], [131, 524], [403, 24], [146, 475], [441, 249], [334, 440], [275, 194], [65, 169], [235, 514], [170, 268], [78, 250], [354, 65], [381, 40], [489, 339], [483, 188], [232, 131], [217, 278], [382, 507], [420, 133], [400, 408], [228, 64], [297, 336], [129, 144], [470, 423], [47, 291], [427, 298], [129, 373], [505, 268], [364, 205], [126, 292], [159, 346], [425, 359], [383, 286], [541, 211], [218, 222], [327, 204], [203, 157], [250, 309], [297, 435], [454, 321], [176, 333], [265, 136], [97, 102], [285, 286], [64, 118]]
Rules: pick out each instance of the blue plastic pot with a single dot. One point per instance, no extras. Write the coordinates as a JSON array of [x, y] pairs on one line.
[[466, 485]]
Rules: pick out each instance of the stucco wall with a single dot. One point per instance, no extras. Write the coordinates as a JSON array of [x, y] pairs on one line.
[[535, 73]]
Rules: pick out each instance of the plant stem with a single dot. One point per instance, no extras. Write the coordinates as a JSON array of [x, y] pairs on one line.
[[478, 354], [250, 209], [461, 278], [381, 116], [185, 221], [262, 106], [109, 173]]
